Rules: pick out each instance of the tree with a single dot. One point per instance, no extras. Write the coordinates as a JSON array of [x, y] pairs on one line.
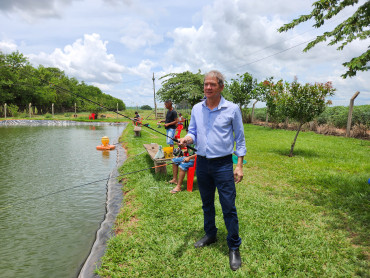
[[241, 90], [146, 107], [178, 87], [354, 27], [304, 102], [271, 92]]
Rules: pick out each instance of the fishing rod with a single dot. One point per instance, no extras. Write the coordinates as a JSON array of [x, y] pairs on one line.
[[85, 98], [80, 185], [146, 125]]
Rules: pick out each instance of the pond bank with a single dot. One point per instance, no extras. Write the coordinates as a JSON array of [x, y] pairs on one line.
[[51, 123]]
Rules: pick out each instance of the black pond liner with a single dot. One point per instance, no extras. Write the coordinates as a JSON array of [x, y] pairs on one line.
[[113, 206]]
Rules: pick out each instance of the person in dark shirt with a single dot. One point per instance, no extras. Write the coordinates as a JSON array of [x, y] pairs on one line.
[[170, 122]]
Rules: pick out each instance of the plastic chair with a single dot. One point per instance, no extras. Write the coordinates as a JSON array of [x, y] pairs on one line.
[[178, 129], [139, 121], [190, 176]]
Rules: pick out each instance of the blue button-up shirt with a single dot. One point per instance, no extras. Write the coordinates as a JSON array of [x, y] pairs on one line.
[[215, 131]]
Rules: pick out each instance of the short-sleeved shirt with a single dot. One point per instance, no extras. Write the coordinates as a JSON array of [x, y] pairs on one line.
[[170, 117]]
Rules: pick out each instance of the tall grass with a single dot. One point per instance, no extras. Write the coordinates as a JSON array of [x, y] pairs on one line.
[[301, 216]]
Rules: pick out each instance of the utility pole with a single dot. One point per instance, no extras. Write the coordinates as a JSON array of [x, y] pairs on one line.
[[155, 104]]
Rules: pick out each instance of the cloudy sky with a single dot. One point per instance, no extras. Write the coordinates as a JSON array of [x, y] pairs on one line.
[[117, 45]]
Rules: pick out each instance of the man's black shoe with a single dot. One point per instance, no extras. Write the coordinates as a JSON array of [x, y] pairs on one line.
[[234, 259], [204, 241]]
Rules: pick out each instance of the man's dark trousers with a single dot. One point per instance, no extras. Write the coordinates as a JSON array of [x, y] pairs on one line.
[[218, 173]]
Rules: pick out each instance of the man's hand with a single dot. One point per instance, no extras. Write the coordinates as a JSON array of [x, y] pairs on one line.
[[238, 172], [183, 142]]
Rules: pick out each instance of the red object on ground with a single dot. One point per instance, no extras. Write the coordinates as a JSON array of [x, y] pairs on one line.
[[178, 129], [190, 176]]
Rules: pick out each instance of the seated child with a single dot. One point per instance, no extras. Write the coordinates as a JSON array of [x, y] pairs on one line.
[[184, 163]]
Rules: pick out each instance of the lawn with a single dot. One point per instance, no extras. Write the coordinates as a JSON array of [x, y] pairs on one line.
[[301, 216]]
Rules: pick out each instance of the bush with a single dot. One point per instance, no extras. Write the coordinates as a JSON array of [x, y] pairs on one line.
[[48, 116], [13, 110], [146, 107], [67, 115]]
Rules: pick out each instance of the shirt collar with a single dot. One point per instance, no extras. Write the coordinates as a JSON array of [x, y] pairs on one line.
[[220, 105]]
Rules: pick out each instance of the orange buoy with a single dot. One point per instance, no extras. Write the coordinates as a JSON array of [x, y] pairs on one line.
[[105, 144]]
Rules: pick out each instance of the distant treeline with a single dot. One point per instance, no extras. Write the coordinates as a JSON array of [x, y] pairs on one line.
[[336, 116], [22, 84]]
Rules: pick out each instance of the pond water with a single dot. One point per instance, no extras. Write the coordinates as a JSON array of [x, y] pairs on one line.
[[49, 209]]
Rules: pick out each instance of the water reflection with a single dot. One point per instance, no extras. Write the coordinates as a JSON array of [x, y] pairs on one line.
[[44, 234]]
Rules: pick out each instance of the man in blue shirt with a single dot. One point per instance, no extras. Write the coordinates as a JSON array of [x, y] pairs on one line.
[[215, 125]]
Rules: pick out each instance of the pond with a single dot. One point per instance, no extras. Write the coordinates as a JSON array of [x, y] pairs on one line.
[[50, 204]]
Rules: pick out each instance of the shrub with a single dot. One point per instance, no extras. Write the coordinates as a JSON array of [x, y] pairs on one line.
[[48, 115], [359, 131], [13, 110]]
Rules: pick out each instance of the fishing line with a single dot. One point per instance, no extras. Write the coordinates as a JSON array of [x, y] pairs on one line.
[[85, 98], [80, 185], [146, 125]]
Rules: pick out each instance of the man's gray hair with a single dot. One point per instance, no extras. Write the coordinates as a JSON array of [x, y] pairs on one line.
[[217, 74]]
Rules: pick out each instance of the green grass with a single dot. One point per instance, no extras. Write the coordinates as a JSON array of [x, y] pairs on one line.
[[301, 216]]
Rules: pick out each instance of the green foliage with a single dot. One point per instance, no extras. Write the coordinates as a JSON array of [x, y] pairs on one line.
[[48, 116], [303, 103], [338, 115], [21, 84], [353, 28], [270, 93], [178, 87], [241, 90], [12, 110], [146, 107]]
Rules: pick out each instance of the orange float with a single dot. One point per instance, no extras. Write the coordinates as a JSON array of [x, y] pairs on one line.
[[105, 144]]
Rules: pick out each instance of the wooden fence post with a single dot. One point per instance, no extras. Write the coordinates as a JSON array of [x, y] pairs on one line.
[[29, 109], [349, 121], [52, 109], [5, 110], [252, 118]]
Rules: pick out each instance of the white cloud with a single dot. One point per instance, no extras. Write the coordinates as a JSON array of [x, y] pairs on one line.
[[7, 46], [86, 59], [138, 34]]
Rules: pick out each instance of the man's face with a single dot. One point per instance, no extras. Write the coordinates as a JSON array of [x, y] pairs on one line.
[[211, 88], [168, 105]]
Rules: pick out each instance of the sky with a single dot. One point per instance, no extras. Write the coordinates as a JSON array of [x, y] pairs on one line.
[[117, 45]]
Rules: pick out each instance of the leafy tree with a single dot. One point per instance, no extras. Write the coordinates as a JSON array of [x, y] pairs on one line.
[[178, 87], [241, 90], [21, 84], [146, 107], [271, 92], [354, 27], [304, 102]]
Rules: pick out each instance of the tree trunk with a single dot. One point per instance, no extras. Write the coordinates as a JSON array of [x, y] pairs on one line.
[[252, 118], [295, 139], [267, 119]]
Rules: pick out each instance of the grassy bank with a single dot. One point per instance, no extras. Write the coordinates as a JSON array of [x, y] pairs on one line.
[[305, 216]]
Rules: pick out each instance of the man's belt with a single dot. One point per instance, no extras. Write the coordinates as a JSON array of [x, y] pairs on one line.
[[216, 158]]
